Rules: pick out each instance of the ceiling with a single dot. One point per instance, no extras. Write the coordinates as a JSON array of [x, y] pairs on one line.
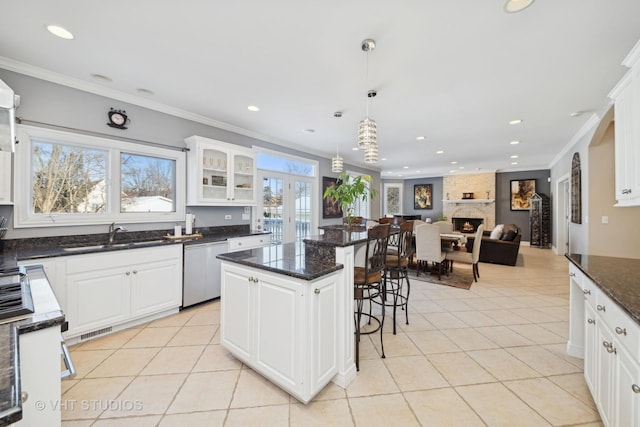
[[454, 72]]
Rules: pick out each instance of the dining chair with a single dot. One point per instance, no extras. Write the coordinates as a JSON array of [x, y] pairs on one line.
[[429, 248], [397, 271], [446, 227], [368, 285], [469, 257]]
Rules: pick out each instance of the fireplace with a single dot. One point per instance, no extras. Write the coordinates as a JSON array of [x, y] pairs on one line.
[[466, 225]]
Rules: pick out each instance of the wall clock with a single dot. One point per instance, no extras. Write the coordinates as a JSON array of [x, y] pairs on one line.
[[118, 119]]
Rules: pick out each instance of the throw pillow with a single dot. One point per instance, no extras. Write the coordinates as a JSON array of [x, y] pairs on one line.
[[509, 232], [496, 232]]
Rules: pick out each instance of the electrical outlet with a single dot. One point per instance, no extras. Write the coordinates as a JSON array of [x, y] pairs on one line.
[[605, 220], [246, 217], [227, 217]]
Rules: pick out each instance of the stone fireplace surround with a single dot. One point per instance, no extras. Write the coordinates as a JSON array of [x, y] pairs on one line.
[[481, 185]]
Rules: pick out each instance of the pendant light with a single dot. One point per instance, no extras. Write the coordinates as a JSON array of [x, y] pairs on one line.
[[337, 163], [367, 129]]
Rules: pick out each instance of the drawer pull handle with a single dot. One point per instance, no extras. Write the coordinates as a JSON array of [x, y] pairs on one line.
[[591, 321], [24, 396], [128, 273], [317, 291], [587, 291], [626, 191], [621, 331], [572, 274], [601, 308], [635, 388], [609, 346]]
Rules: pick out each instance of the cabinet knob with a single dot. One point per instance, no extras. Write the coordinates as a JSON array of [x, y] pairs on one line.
[[591, 321], [621, 331], [600, 308], [572, 274], [24, 396], [587, 291], [626, 191], [135, 271], [609, 346], [128, 273], [317, 291], [635, 388]]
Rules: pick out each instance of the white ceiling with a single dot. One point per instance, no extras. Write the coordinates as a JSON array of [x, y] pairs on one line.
[[455, 72]]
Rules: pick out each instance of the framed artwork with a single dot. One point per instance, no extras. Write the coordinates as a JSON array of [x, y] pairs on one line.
[[330, 207], [521, 192], [422, 196], [392, 199], [576, 190]]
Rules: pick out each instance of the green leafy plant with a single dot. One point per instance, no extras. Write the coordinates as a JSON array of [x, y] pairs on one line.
[[349, 190], [441, 218]]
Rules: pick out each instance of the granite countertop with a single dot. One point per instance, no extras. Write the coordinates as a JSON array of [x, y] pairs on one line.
[[35, 248], [619, 278], [47, 313], [289, 259]]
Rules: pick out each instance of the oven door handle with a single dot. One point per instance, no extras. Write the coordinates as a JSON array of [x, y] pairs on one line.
[[70, 372]]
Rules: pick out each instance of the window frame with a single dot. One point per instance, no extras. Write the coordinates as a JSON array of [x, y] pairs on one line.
[[23, 185]]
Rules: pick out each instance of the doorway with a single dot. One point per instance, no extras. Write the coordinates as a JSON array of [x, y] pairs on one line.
[[563, 214]]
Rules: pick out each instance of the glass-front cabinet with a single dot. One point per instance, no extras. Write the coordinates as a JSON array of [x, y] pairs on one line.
[[219, 173]]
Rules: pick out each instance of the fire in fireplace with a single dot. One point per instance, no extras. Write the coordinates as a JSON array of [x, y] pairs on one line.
[[466, 225]]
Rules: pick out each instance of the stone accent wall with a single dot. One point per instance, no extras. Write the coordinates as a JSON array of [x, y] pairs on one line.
[[479, 184]]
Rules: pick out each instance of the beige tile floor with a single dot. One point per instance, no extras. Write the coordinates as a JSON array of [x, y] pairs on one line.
[[490, 356]]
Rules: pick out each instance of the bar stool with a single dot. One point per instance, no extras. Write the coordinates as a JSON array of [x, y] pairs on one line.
[[368, 283], [397, 271]]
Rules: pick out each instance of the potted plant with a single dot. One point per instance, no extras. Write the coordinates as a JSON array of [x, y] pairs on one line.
[[349, 190]]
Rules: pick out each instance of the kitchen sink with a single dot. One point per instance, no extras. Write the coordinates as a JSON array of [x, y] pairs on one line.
[[85, 248], [146, 243], [113, 246]]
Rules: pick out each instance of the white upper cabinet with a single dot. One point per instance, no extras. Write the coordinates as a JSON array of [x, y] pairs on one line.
[[626, 96], [5, 178], [219, 173]]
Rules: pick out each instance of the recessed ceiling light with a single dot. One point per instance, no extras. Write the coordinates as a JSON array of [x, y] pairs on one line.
[[58, 31], [419, 138], [384, 158], [454, 163], [405, 167], [439, 152], [253, 108], [354, 149], [308, 131], [453, 171], [102, 78], [460, 167], [515, 122], [514, 142], [400, 174], [514, 163], [513, 6], [417, 171], [515, 156], [576, 113], [144, 91]]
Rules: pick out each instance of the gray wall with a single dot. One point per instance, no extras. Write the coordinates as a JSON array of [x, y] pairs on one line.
[[504, 214], [63, 106]]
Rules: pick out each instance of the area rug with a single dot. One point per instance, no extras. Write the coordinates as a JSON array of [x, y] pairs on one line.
[[461, 277]]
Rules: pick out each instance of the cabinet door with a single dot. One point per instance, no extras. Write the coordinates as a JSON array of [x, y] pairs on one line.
[[5, 178], [156, 286], [97, 299], [323, 357], [215, 174], [279, 304], [237, 310], [605, 373], [590, 347], [626, 146], [628, 391], [244, 179]]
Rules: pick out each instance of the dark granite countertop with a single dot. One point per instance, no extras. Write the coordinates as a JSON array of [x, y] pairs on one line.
[[289, 259], [36, 248], [338, 235], [47, 313], [619, 278]]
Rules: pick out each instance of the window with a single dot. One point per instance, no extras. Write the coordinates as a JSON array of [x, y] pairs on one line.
[[65, 178], [361, 208]]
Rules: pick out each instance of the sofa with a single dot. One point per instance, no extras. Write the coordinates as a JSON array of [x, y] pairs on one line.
[[499, 246]]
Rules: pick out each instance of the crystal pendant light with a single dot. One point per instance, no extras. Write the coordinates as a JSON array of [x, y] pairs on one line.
[[337, 163], [371, 153], [367, 129]]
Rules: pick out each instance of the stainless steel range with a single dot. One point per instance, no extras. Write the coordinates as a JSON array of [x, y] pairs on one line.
[[15, 293]]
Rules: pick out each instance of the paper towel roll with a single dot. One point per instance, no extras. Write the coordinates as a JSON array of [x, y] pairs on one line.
[[189, 224]]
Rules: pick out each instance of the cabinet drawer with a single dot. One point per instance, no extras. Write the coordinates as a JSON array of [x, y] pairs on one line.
[[248, 242], [625, 329]]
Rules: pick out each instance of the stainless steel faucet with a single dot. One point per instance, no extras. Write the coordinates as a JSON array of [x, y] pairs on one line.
[[113, 229]]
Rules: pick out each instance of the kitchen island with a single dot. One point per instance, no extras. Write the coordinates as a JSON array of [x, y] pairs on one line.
[[287, 311]]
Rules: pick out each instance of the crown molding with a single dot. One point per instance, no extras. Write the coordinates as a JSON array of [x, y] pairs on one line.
[[589, 124]]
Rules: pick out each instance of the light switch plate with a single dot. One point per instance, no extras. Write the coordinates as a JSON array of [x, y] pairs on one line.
[[227, 217], [246, 217]]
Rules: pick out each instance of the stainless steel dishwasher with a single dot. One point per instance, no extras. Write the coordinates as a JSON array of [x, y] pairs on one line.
[[201, 273]]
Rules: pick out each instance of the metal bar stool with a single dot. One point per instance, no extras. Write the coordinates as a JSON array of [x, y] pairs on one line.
[[397, 271], [368, 283]]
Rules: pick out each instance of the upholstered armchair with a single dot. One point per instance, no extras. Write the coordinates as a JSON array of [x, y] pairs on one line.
[[499, 250]]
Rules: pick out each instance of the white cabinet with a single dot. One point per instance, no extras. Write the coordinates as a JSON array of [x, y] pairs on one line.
[[40, 377], [219, 173], [5, 178], [611, 354], [107, 289], [284, 328], [248, 242], [626, 96]]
